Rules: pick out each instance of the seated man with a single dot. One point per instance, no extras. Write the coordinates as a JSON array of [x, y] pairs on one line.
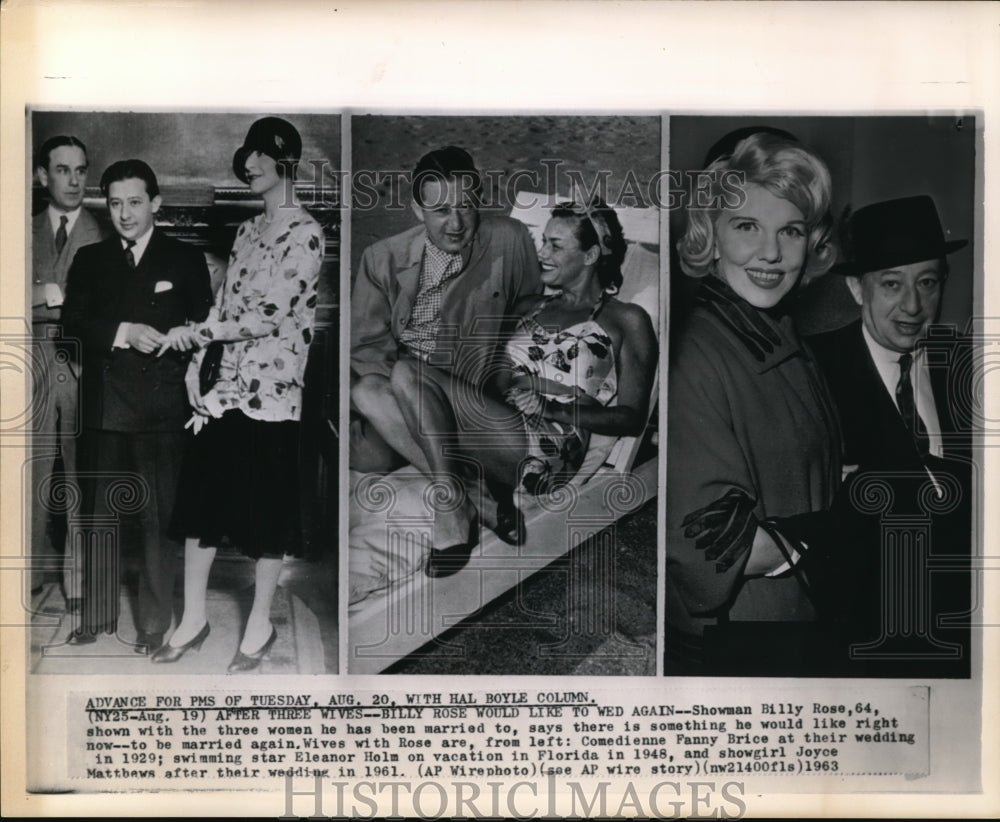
[[437, 292]]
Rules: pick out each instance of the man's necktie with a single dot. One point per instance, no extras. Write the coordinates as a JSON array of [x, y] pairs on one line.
[[61, 234], [129, 256], [908, 407]]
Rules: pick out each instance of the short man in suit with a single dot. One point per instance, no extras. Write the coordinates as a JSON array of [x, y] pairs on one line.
[[57, 233], [889, 375], [123, 295]]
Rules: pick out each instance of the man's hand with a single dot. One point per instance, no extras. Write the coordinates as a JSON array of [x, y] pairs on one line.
[[144, 338], [180, 338]]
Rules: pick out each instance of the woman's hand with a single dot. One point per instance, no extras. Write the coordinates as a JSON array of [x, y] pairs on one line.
[[180, 338], [194, 397], [528, 402]]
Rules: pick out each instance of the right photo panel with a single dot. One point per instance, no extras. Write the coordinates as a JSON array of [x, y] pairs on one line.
[[822, 491]]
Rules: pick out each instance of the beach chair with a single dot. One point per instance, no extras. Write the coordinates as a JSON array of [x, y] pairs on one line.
[[402, 609]]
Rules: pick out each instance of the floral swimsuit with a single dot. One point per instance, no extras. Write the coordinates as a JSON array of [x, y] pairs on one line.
[[566, 364]]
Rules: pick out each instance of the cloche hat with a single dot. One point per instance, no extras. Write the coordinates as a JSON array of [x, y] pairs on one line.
[[276, 138]]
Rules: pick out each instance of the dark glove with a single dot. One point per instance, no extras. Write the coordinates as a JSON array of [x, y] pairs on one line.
[[723, 529]]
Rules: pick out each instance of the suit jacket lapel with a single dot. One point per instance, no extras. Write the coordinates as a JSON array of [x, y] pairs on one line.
[[874, 389], [408, 278], [145, 274], [81, 235]]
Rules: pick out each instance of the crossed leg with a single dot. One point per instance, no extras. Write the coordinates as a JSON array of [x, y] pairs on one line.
[[381, 441], [463, 434]]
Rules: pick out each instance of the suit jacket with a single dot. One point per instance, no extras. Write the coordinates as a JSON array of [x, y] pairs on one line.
[[48, 266], [875, 437], [123, 389], [876, 440], [501, 266]]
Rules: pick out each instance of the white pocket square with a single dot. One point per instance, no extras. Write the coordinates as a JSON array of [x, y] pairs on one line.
[[163, 285]]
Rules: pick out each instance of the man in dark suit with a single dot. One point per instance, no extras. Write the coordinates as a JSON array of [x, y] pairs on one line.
[[123, 295], [57, 233], [909, 503]]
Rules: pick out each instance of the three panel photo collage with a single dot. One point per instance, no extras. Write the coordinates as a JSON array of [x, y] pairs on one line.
[[468, 394]]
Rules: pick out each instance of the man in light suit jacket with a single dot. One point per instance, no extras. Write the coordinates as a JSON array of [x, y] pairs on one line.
[[57, 233], [123, 295], [437, 292], [892, 375]]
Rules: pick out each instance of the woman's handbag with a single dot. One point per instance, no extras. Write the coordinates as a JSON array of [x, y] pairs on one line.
[[211, 363], [763, 648], [208, 374]]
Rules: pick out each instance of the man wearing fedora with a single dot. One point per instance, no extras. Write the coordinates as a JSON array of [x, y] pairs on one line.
[[122, 296], [891, 374]]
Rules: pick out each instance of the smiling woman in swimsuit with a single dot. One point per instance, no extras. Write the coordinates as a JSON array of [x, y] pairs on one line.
[[578, 361]]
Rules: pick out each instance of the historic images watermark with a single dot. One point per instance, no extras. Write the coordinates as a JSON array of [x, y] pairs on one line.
[[666, 190], [522, 799]]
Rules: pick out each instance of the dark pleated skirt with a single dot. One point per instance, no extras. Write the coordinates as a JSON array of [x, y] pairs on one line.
[[240, 487]]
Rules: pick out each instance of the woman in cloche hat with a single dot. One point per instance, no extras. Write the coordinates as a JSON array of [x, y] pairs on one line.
[[240, 482]]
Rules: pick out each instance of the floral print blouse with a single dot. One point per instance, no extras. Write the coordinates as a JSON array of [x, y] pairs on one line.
[[264, 312]]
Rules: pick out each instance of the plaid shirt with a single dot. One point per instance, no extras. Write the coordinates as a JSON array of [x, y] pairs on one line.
[[439, 269]]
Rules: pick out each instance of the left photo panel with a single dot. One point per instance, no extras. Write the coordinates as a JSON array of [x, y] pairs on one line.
[[179, 486]]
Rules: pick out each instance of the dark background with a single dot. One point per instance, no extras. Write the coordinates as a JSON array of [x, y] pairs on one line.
[[184, 148]]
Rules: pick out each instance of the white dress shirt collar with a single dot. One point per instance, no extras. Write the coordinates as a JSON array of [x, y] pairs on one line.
[[140, 245]]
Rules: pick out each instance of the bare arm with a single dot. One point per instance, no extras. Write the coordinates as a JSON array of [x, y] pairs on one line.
[[636, 366]]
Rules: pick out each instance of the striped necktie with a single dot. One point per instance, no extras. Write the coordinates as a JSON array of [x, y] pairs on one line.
[[129, 256], [908, 407], [61, 234]]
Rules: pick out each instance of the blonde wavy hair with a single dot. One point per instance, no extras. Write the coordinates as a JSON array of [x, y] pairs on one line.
[[785, 168]]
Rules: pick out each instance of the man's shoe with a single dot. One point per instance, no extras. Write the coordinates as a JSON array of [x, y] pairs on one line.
[[148, 642], [81, 638], [510, 522], [444, 562]]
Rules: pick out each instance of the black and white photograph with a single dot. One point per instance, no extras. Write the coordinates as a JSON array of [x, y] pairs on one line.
[[505, 310], [823, 496], [182, 485], [484, 409]]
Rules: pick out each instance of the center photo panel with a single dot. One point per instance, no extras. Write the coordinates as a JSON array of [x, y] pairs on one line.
[[504, 359]]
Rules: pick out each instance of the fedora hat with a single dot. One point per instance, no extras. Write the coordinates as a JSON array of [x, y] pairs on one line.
[[276, 138], [893, 233]]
